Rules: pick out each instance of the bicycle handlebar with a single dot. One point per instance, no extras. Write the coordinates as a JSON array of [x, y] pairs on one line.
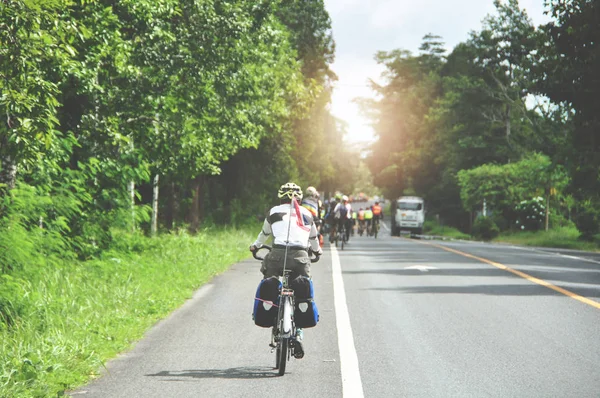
[[254, 253], [314, 259]]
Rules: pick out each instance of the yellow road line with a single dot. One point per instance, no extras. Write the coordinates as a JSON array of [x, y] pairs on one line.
[[521, 274]]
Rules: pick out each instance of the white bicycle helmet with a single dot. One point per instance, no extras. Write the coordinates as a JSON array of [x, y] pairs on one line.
[[312, 192], [289, 191]]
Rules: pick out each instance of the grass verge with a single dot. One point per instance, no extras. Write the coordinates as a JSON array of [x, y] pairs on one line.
[[564, 238], [73, 318], [433, 228]]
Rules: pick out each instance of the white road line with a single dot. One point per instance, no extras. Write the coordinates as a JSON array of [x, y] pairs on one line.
[[550, 253], [351, 382]]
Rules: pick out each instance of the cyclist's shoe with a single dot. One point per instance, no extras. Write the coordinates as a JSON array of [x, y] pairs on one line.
[[298, 350]]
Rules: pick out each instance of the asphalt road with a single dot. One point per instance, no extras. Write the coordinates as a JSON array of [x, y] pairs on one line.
[[419, 319]]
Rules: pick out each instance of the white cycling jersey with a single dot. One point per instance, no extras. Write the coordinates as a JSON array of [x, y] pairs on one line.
[[293, 218], [338, 210]]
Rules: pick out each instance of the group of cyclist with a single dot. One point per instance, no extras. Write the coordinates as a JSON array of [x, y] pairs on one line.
[[336, 214], [340, 215]]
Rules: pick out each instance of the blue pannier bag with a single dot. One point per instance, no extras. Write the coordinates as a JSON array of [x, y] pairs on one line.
[[306, 314], [266, 302]]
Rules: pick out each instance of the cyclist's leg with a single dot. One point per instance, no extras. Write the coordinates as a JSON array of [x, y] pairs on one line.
[[300, 263], [272, 265], [332, 231]]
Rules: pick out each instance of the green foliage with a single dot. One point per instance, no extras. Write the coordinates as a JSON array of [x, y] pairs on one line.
[[505, 188], [306, 146], [588, 220], [99, 96], [485, 228], [563, 237], [530, 214], [439, 115], [68, 320], [573, 35]]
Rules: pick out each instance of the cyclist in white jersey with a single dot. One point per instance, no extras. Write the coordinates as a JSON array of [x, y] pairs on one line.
[[293, 228]]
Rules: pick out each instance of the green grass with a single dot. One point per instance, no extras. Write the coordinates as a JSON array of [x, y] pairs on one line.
[[565, 238], [433, 228], [73, 318]]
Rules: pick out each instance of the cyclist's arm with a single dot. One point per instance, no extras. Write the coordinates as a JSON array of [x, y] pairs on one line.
[[336, 210], [264, 234], [312, 239]]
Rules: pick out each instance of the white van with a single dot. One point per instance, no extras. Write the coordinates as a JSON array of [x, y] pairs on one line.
[[409, 215]]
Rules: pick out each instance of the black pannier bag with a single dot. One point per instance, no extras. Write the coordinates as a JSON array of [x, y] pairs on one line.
[[266, 302], [306, 314]]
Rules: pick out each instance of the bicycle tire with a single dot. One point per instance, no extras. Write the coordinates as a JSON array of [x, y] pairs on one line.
[[282, 352], [376, 231]]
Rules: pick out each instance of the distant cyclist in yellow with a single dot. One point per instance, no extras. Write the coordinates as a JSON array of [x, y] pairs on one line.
[[368, 219]]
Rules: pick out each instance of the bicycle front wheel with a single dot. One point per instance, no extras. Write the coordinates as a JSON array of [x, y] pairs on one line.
[[282, 354]]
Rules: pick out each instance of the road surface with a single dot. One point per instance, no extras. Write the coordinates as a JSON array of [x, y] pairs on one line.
[[399, 318]]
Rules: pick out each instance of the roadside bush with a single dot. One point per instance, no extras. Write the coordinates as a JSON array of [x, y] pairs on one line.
[[530, 214], [588, 221], [558, 220], [485, 228], [501, 221]]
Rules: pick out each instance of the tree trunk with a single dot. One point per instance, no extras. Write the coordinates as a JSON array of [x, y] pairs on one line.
[[131, 189], [171, 207], [547, 209], [196, 212], [8, 171], [508, 126], [470, 222], [154, 226]]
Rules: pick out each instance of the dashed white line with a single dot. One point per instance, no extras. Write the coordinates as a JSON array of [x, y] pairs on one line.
[[351, 382]]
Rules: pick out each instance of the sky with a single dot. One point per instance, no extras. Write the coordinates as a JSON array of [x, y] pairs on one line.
[[363, 27]]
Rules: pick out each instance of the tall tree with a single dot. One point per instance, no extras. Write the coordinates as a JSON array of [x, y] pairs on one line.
[[569, 76]]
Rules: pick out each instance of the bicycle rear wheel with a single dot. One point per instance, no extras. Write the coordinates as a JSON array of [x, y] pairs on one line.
[[282, 354]]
